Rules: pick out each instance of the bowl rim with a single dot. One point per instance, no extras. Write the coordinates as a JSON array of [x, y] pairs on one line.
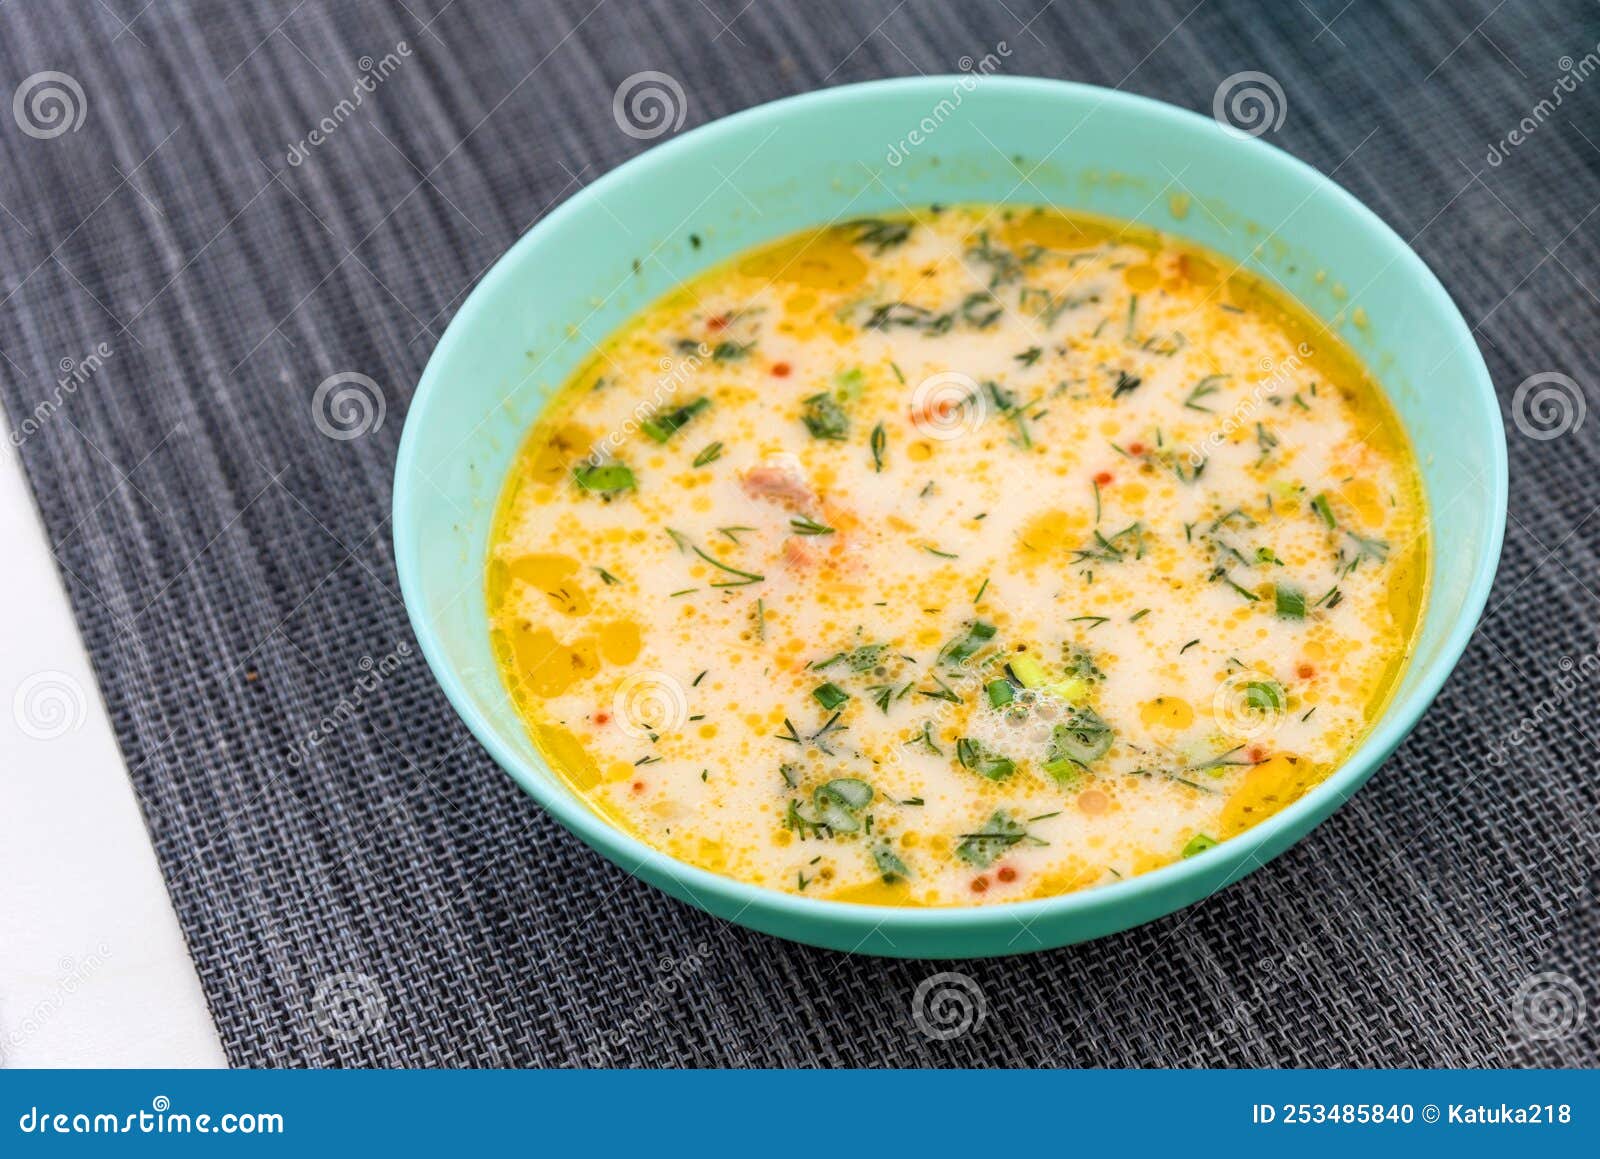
[[625, 850]]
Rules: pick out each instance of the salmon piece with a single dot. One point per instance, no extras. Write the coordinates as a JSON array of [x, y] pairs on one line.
[[780, 482]]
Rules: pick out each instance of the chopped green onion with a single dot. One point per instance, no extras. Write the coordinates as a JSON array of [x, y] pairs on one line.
[[1084, 736], [990, 765], [998, 835], [605, 478], [1028, 671], [1199, 843], [830, 696], [1264, 696], [890, 865], [1291, 602], [1324, 511], [962, 648], [1000, 693], [848, 791], [825, 418], [1065, 771]]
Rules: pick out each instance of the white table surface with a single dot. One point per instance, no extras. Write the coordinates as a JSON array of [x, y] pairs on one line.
[[93, 968]]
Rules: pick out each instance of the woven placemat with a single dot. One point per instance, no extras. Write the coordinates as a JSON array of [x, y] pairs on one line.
[[185, 264]]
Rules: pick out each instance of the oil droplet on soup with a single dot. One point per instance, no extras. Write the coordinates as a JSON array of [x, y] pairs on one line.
[[974, 555]]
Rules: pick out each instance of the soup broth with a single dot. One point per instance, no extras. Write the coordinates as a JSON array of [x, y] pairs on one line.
[[980, 554]]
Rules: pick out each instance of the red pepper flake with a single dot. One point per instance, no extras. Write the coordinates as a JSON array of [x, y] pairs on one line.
[[718, 322], [602, 718], [980, 884], [780, 370], [638, 786], [1305, 672], [1256, 753], [1135, 448], [1103, 478], [1007, 873]]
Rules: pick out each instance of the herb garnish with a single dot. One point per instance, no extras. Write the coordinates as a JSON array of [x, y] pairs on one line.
[[977, 757], [825, 418], [745, 577], [662, 425], [879, 234], [805, 525], [1204, 388], [605, 478], [998, 835]]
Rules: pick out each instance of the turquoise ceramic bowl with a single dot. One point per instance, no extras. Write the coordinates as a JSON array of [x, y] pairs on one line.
[[701, 197]]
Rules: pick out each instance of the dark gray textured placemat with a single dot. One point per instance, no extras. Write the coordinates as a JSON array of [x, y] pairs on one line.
[[392, 898]]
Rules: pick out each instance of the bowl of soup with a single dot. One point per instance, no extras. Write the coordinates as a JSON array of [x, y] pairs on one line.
[[950, 517]]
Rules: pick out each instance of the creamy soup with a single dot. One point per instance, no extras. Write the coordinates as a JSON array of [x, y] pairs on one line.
[[981, 554]]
